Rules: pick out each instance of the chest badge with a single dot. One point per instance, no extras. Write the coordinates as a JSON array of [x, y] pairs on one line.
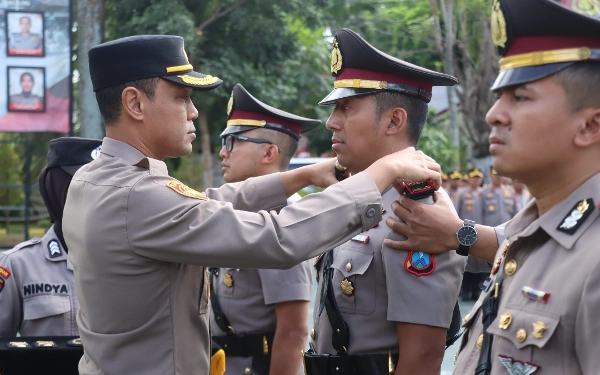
[[577, 216], [347, 287], [419, 263], [515, 367], [54, 249], [228, 280], [505, 320], [538, 329], [536, 295]]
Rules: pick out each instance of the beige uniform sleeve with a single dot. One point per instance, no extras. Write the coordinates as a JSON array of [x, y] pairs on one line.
[[165, 225]]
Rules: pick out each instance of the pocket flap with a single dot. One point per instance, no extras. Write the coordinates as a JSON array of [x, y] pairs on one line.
[[351, 262], [524, 327], [44, 306]]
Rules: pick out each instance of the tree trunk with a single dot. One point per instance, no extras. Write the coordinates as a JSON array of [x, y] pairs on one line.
[[206, 150], [90, 18]]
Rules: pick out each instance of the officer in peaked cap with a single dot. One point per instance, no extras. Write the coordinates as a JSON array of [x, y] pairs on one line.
[[254, 307], [380, 305], [455, 179], [37, 289], [498, 202], [140, 239]]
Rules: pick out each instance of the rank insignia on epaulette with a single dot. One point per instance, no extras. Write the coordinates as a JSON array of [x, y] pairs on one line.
[[185, 190], [360, 238], [75, 342], [577, 216], [419, 263], [54, 249], [419, 190], [4, 272], [18, 344], [347, 287], [44, 344], [515, 367]]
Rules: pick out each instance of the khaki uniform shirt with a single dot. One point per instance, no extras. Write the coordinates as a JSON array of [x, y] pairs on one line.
[[559, 336], [26, 99], [140, 241], [469, 205], [498, 206], [37, 293], [249, 302], [387, 290], [20, 41]]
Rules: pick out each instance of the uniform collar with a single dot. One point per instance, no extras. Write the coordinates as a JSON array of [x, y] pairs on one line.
[[527, 222], [132, 156]]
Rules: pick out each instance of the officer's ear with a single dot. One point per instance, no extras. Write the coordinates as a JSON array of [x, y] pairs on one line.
[[270, 154], [589, 131], [130, 100], [396, 120]]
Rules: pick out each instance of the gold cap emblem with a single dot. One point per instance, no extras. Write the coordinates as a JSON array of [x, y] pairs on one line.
[[510, 267], [521, 335], [228, 280], [505, 320], [347, 287], [538, 329], [336, 58], [230, 104], [479, 342]]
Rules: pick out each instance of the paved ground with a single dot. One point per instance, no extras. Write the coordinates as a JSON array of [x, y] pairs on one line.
[[448, 363]]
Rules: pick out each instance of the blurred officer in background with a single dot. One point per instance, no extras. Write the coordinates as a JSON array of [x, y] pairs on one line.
[[140, 240], [455, 178], [521, 194], [260, 316], [378, 308], [498, 201], [37, 290]]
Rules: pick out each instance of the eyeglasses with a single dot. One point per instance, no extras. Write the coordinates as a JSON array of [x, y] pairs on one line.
[[228, 140]]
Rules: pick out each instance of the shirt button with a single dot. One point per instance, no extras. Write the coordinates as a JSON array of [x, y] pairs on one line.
[[370, 212], [521, 335], [510, 267], [247, 371], [479, 342], [348, 267]]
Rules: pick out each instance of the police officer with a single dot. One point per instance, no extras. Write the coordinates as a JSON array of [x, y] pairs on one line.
[[521, 195], [260, 316], [498, 201], [455, 180], [37, 290], [539, 311], [139, 239], [26, 97], [25, 39], [378, 308]]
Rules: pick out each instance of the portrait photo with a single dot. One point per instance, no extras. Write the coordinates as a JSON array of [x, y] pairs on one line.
[[26, 89], [25, 33]]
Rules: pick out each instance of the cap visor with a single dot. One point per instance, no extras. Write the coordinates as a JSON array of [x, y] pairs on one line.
[[195, 80], [517, 76], [342, 93]]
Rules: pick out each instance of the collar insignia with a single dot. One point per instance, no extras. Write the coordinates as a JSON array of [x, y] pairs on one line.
[[96, 152], [54, 249], [577, 216], [336, 58], [498, 25], [515, 367]]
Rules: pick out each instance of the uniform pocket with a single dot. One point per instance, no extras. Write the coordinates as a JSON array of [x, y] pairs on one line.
[[354, 279], [44, 306], [524, 327], [234, 283]]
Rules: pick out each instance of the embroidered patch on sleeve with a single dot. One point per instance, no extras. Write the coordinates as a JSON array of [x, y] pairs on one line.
[[187, 191], [419, 263], [4, 272]]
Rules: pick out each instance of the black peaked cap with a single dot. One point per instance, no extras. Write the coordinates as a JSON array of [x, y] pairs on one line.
[[70, 153], [245, 112], [145, 56]]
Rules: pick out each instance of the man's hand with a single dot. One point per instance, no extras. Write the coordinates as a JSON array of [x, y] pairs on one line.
[[320, 174], [432, 227], [407, 165], [323, 174]]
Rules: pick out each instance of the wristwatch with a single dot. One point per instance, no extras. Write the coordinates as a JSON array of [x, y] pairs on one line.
[[466, 236]]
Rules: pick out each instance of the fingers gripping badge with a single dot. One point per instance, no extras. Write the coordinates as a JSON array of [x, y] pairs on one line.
[[419, 263]]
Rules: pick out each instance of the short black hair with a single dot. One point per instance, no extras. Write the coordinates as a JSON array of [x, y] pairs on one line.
[[581, 82], [27, 74], [286, 144], [109, 99], [416, 111]]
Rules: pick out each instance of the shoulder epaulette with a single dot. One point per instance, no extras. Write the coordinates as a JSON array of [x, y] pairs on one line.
[[23, 245]]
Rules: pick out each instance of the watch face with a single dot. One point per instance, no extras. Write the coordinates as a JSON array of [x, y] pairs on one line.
[[466, 236]]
